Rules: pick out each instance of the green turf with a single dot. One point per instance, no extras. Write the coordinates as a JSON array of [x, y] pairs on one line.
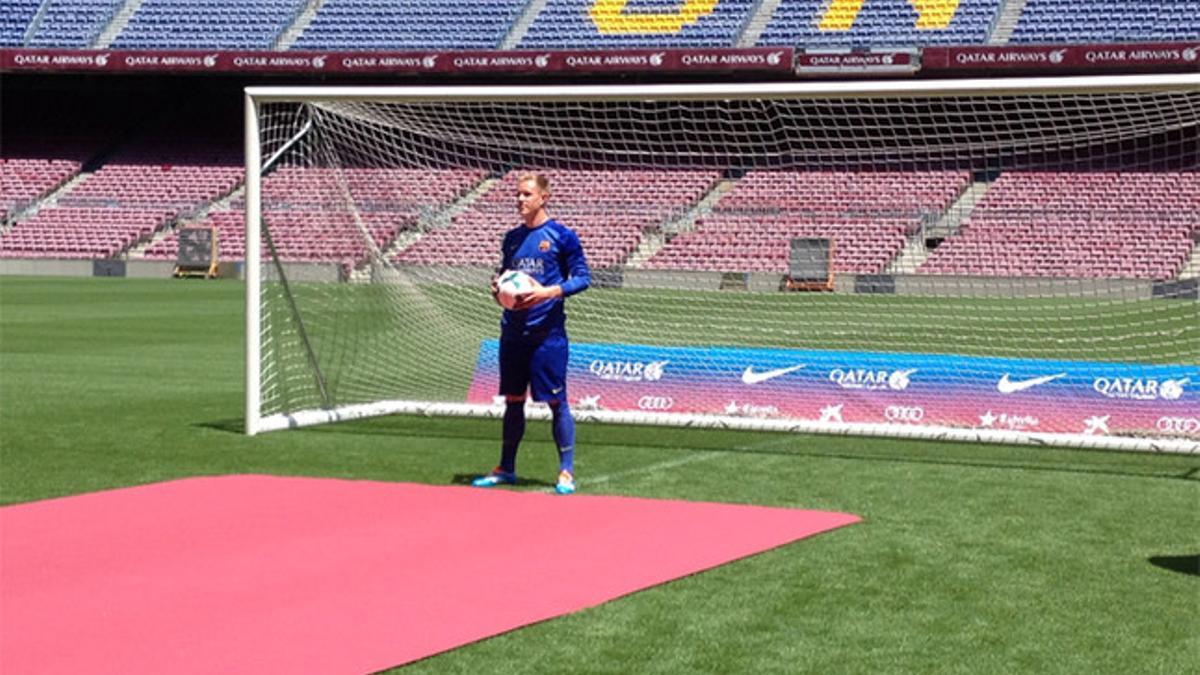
[[971, 558]]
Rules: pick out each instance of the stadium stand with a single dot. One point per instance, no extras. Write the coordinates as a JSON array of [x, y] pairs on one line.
[[410, 24], [124, 202], [24, 181], [750, 228], [1069, 21], [296, 235], [566, 24], [1105, 225], [584, 24], [882, 23], [609, 209], [15, 21], [74, 24], [88, 233], [208, 24], [307, 211]]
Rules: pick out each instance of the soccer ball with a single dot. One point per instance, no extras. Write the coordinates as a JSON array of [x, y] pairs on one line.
[[513, 283]]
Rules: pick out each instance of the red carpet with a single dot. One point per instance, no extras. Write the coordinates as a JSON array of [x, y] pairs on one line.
[[272, 575]]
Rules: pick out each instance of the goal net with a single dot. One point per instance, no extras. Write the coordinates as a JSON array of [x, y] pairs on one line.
[[1004, 260]]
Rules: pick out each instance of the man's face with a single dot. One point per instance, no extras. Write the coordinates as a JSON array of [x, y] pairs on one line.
[[529, 198]]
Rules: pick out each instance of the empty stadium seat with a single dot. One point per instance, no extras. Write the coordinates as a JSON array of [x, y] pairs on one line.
[[867, 215], [74, 24], [116, 207], [609, 210], [325, 215], [208, 24], [567, 24], [410, 24], [1080, 225], [23, 181], [1069, 21], [876, 23], [15, 21]]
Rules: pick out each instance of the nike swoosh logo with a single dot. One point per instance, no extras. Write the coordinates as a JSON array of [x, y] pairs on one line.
[[751, 377], [1007, 386]]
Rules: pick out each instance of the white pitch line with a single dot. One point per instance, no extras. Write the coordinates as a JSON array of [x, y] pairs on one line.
[[695, 456], [651, 468]]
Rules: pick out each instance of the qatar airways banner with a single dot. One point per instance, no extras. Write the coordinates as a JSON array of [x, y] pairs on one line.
[[1075, 58], [758, 59], [1077, 397], [822, 63]]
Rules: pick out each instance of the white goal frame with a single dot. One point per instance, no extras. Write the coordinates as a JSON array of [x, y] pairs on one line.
[[257, 96]]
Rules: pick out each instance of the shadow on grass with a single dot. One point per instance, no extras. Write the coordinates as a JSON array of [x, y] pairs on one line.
[[233, 426], [466, 478], [1184, 564], [380, 426], [463, 428]]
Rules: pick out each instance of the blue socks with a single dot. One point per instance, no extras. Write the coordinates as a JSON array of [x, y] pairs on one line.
[[514, 429], [564, 435], [563, 428]]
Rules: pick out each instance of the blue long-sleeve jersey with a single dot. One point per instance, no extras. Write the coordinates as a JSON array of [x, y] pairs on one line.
[[552, 254]]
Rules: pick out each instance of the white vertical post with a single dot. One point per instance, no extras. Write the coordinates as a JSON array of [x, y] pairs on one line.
[[252, 264]]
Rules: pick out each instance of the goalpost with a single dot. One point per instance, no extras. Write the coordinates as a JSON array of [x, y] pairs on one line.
[[1015, 259]]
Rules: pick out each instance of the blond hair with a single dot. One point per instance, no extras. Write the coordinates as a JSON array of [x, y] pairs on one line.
[[540, 179]]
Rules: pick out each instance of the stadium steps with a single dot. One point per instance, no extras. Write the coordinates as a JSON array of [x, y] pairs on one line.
[[138, 250], [119, 21], [911, 257], [35, 24], [1191, 269], [960, 210], [521, 26], [652, 241], [1006, 21], [756, 23], [687, 221], [303, 19], [37, 203], [367, 271], [52, 198], [915, 251], [650, 244], [437, 220]]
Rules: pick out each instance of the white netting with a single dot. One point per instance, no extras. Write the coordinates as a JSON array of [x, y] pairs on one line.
[[978, 241]]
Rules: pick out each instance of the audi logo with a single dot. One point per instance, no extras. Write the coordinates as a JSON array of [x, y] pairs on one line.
[[1179, 425], [656, 402], [901, 413]]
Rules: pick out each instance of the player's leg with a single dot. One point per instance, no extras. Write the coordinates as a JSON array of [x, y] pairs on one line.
[[548, 382], [514, 382]]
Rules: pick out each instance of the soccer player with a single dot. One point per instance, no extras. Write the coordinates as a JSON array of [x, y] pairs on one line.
[[533, 335]]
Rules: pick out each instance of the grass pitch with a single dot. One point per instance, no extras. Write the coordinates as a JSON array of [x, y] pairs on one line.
[[971, 558]]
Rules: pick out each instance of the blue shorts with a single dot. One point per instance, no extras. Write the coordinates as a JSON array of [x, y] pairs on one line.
[[536, 364]]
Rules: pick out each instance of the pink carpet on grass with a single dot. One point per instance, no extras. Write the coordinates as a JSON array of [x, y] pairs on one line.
[[257, 574]]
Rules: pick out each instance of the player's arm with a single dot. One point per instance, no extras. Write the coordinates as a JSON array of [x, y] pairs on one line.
[[505, 261], [579, 276]]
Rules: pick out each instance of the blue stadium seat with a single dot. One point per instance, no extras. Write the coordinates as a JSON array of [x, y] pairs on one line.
[[1108, 21], [566, 24], [208, 24], [74, 24], [878, 23], [410, 24], [15, 20]]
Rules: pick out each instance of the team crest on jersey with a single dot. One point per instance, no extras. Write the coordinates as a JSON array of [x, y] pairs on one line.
[[544, 245]]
